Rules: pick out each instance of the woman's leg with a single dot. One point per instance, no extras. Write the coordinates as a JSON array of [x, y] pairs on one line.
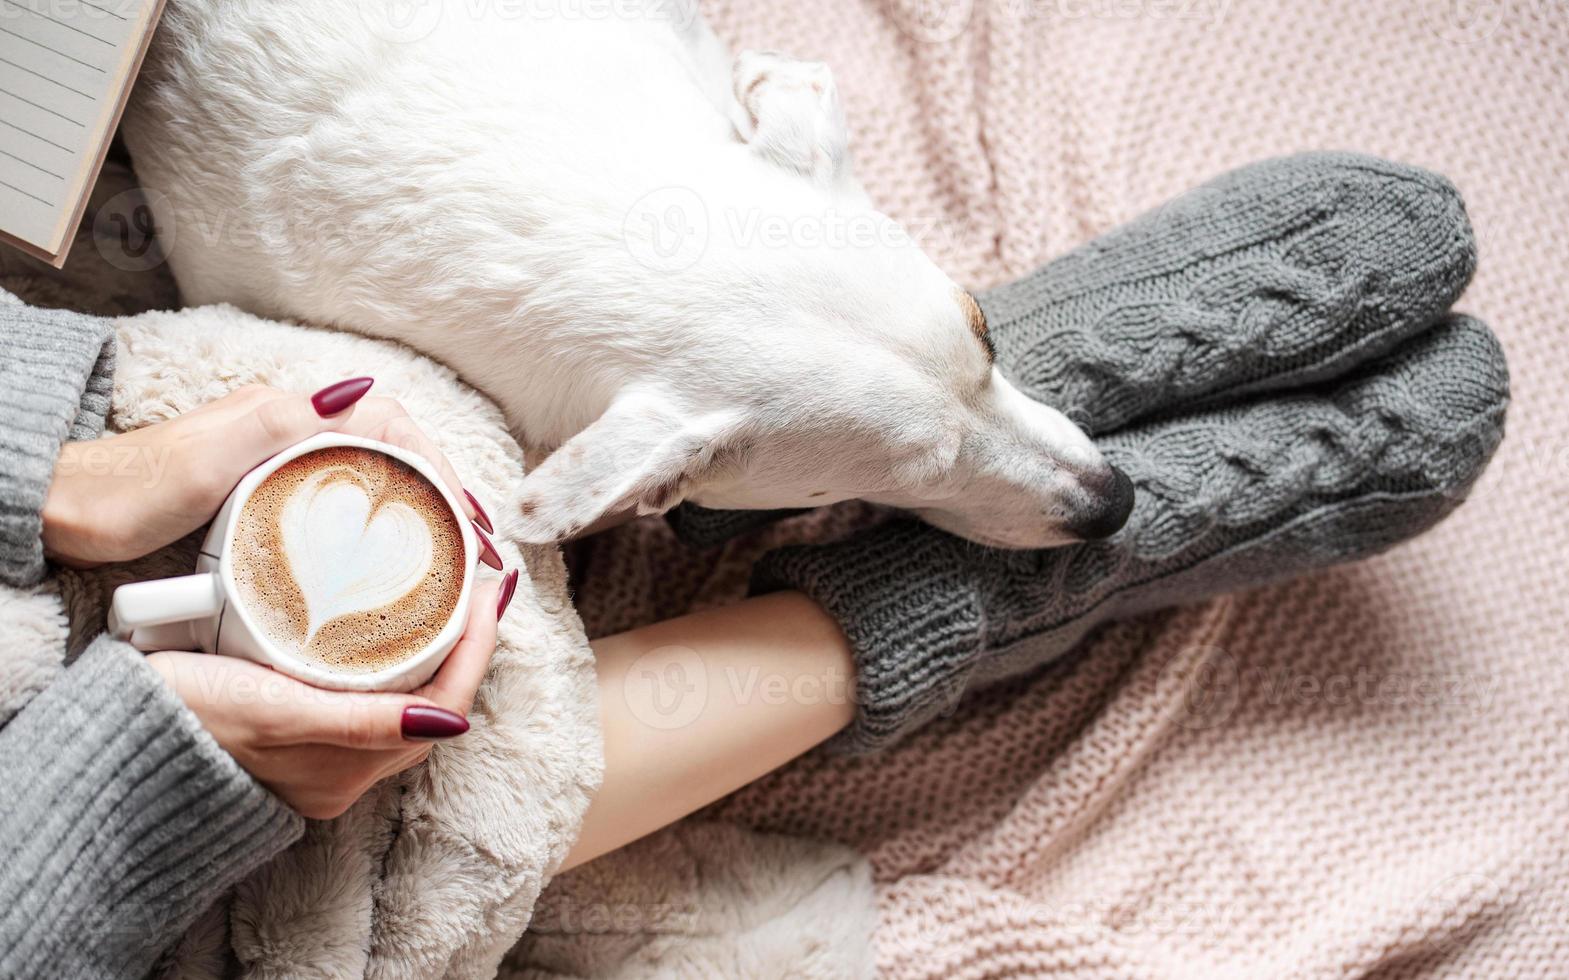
[[695, 707]]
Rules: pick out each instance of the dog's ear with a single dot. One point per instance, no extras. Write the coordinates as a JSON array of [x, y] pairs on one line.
[[642, 453]]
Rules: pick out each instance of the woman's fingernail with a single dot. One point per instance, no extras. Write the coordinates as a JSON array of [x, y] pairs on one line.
[[340, 397], [487, 551], [509, 585], [480, 517], [426, 723]]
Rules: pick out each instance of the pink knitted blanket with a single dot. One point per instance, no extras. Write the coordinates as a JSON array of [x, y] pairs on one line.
[[1362, 773]]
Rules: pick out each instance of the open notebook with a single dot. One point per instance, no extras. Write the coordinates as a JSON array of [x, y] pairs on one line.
[[66, 67]]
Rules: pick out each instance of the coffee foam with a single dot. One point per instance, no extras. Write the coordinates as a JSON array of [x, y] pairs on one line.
[[369, 538]]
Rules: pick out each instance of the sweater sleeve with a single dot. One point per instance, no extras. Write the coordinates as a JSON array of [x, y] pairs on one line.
[[121, 821], [56, 369]]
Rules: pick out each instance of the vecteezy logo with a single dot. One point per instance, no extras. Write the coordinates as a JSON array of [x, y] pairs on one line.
[[1482, 441], [1209, 684], [667, 230], [126, 232], [401, 21], [667, 687], [681, 13], [933, 21], [1463, 21]]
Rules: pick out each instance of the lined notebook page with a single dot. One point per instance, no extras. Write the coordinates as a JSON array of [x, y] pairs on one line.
[[65, 69]]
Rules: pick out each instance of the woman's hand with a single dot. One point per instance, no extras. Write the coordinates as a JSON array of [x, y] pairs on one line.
[[123, 496], [319, 751], [126, 495]]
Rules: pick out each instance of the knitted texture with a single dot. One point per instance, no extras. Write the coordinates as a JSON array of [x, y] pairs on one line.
[[1358, 773], [56, 368], [1279, 273], [131, 822], [1227, 499], [703, 527], [1273, 275]]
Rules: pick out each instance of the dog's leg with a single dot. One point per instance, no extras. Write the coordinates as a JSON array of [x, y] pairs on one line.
[[791, 116], [708, 58]]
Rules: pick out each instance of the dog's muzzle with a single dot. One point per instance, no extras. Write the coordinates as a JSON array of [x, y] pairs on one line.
[[1111, 496]]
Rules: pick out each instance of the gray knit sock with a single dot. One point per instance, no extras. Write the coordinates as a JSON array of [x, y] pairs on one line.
[[1274, 275], [1271, 276], [703, 527], [1228, 497], [56, 371]]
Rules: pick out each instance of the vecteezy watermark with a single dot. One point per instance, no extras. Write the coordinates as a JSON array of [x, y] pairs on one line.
[[572, 918], [113, 458], [137, 229], [1532, 907], [667, 229], [932, 21], [670, 687], [22, 18], [401, 21], [72, 11], [1213, 685], [754, 686], [755, 228], [124, 922], [1209, 685], [666, 688], [1366, 686], [126, 231], [1150, 918], [237, 681], [1209, 12], [1524, 461], [1463, 21], [671, 229], [1160, 912], [408, 21]]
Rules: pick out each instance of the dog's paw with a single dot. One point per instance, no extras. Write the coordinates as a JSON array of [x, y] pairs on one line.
[[791, 114]]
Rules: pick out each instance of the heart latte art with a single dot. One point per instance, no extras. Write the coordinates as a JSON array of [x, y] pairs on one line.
[[344, 557], [348, 557]]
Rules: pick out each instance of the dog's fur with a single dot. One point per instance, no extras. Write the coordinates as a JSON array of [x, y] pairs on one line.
[[649, 255]]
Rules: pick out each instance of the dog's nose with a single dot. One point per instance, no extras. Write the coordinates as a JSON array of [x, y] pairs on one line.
[[1113, 496]]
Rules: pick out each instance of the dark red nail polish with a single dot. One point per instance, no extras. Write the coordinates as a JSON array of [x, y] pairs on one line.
[[509, 585], [427, 723], [487, 551], [339, 397], [480, 517]]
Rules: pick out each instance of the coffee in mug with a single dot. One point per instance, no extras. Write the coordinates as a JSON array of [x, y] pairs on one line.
[[350, 558], [342, 561]]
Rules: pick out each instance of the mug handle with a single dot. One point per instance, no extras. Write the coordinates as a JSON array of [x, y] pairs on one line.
[[158, 615]]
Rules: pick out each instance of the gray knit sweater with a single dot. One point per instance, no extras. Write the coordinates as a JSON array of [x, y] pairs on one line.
[[121, 818]]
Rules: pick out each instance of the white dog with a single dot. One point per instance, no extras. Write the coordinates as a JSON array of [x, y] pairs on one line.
[[650, 255]]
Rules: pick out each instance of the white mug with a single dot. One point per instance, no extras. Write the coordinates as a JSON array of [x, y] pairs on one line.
[[205, 611]]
